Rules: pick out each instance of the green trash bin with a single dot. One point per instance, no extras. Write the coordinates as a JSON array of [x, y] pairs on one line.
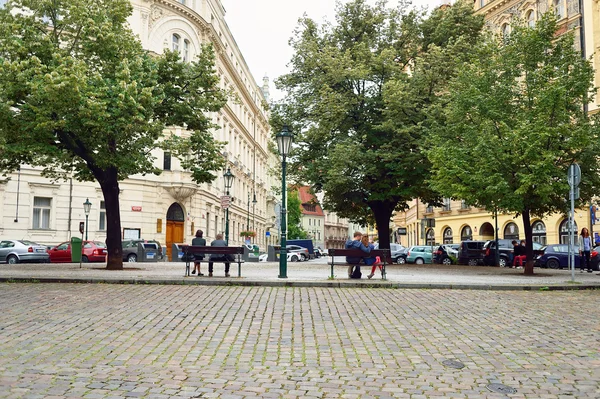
[[75, 249]]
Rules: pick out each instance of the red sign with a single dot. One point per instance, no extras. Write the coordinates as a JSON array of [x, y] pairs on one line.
[[136, 208], [225, 201]]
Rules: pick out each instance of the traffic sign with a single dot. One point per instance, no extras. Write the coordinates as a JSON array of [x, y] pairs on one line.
[[225, 201]]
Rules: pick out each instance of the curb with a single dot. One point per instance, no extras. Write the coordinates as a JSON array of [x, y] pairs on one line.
[[296, 284]]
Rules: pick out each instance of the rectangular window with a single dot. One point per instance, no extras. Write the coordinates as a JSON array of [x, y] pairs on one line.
[[309, 220], [41, 213], [447, 205], [102, 217], [167, 161]]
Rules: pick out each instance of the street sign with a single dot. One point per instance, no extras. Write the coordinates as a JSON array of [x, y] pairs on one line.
[[81, 227], [268, 234], [574, 174], [225, 201], [402, 231]]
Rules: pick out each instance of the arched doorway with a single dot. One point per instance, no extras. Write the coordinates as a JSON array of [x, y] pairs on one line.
[[511, 231], [539, 232], [466, 233], [564, 231], [175, 221], [487, 231], [430, 237], [448, 236]]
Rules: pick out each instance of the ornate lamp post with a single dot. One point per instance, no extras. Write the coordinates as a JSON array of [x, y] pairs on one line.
[[228, 176], [87, 207], [254, 201], [284, 143]]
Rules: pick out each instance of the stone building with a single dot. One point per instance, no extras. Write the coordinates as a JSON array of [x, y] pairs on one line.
[[169, 207]]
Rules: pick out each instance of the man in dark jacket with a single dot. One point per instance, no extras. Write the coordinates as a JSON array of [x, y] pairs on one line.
[[355, 244], [219, 242]]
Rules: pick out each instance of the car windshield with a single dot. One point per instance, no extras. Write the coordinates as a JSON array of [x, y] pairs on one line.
[[99, 244], [25, 242]]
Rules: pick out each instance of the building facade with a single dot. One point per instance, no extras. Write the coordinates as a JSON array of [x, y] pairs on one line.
[[169, 207], [456, 221]]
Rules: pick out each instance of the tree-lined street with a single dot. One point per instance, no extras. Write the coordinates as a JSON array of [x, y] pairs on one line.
[[115, 341]]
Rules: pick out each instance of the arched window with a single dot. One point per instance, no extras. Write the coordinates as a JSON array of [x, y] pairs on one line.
[[430, 237], [448, 236], [539, 232], [466, 233], [564, 231], [505, 31], [175, 42], [186, 50], [511, 232], [530, 17], [175, 212]]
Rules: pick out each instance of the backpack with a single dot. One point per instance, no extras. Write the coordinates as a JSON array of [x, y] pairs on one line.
[[356, 272]]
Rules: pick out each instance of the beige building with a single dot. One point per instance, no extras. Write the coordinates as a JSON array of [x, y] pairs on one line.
[[455, 221], [169, 207]]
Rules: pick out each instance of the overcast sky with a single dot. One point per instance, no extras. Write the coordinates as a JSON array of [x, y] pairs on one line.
[[262, 29]]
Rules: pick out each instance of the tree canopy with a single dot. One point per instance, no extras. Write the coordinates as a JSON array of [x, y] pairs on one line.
[[79, 95], [514, 119], [294, 209], [357, 97]]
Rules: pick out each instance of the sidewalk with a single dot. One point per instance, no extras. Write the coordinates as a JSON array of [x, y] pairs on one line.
[[314, 273]]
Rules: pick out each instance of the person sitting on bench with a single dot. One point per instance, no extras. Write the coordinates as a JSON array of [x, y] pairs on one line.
[[219, 242], [356, 243]]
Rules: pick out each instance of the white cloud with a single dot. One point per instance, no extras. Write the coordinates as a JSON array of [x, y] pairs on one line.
[[262, 29]]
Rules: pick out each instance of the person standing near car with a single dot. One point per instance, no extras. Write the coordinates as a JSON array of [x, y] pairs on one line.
[[199, 242], [585, 247]]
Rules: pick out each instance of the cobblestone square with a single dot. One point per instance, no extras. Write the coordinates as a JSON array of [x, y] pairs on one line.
[[179, 341]]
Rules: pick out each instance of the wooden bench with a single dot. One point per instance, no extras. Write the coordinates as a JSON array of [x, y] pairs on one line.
[[384, 254], [189, 250]]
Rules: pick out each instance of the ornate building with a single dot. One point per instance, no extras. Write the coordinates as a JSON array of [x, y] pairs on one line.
[[456, 221], [168, 207]]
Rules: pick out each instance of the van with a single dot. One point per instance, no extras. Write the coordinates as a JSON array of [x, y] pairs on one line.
[[470, 253]]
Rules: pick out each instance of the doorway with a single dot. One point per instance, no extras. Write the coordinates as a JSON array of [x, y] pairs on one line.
[[175, 224]]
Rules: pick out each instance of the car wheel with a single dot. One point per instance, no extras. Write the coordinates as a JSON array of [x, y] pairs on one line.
[[12, 260], [294, 258], [472, 262], [553, 264], [303, 257], [401, 260], [502, 262], [84, 259], [419, 261], [132, 258], [446, 261]]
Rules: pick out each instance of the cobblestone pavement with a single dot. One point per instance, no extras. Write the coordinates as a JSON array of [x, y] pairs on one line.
[[181, 341]]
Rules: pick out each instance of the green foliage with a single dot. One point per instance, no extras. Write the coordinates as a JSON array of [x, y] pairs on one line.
[[358, 95], [515, 121], [294, 219]]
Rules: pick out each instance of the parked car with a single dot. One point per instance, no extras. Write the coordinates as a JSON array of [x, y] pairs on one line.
[[130, 248], [397, 252], [92, 251], [22, 251], [302, 253], [318, 253], [419, 254], [556, 256], [470, 253], [506, 252], [446, 254]]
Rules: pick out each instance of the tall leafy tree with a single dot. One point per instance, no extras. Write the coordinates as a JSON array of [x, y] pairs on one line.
[[78, 94], [514, 121], [357, 95], [294, 209]]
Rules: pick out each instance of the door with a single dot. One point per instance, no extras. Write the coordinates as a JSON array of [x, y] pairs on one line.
[[174, 235]]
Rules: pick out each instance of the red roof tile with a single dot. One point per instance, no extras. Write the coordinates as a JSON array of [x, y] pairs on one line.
[[308, 198]]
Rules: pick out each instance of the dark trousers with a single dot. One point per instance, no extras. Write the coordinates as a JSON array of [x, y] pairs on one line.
[[210, 267], [584, 260]]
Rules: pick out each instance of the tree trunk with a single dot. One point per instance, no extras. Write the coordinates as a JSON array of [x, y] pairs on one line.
[[528, 271], [383, 213], [110, 189]]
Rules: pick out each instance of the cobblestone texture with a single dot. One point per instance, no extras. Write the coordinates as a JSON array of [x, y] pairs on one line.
[[153, 341]]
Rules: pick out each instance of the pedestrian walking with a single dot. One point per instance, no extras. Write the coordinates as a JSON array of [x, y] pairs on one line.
[[199, 242], [585, 248]]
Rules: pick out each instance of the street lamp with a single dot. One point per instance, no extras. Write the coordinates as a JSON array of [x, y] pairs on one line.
[[228, 176], [284, 143], [254, 201], [87, 207]]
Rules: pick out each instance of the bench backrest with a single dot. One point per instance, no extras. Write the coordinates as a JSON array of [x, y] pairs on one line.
[[195, 249], [384, 254]]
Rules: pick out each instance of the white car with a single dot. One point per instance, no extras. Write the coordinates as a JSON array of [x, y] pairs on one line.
[[300, 253]]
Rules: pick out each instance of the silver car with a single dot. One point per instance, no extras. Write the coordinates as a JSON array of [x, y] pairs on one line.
[[22, 251]]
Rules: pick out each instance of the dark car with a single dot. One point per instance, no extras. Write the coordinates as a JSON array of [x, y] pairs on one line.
[[470, 253], [505, 254], [446, 254], [130, 249], [556, 256], [397, 252]]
